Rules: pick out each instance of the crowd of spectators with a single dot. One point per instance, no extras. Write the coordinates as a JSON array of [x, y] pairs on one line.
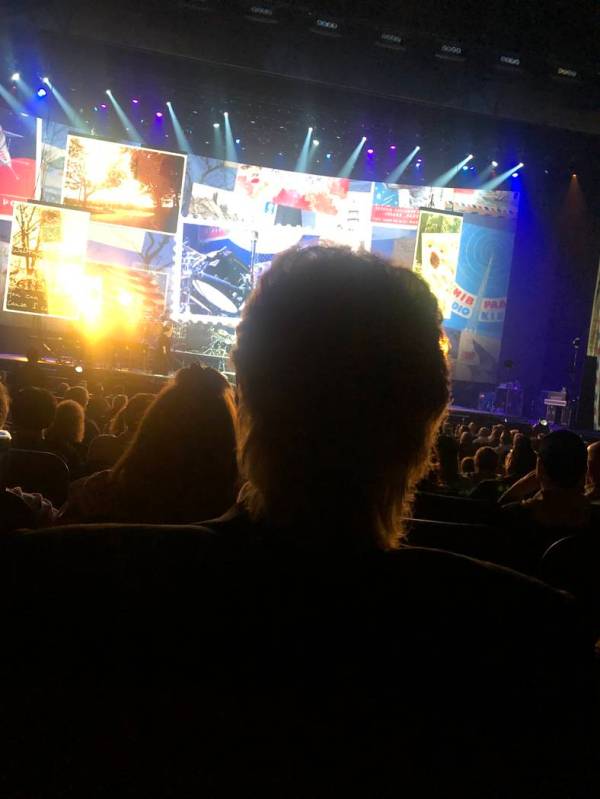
[[305, 635]]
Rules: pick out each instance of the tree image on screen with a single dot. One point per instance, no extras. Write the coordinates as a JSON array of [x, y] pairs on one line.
[[124, 185]]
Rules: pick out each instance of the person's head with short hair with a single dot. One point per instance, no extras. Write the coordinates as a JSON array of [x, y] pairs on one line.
[[61, 390], [483, 432], [79, 394], [473, 428], [562, 461], [486, 461], [521, 459], [467, 465], [68, 424], [129, 417], [33, 409], [447, 453], [181, 464], [4, 405], [342, 384]]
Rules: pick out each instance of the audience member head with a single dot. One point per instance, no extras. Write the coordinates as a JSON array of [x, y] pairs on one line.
[[465, 447], [447, 452], [342, 384], [483, 433], [33, 409], [506, 439], [467, 465], [473, 428], [4, 405], [129, 417], [593, 469], [521, 459], [118, 402], [68, 424], [181, 464], [61, 390], [486, 461], [562, 461], [79, 394]]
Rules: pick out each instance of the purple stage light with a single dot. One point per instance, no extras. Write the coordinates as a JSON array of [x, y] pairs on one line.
[[135, 101], [159, 114], [103, 105], [392, 146], [370, 151]]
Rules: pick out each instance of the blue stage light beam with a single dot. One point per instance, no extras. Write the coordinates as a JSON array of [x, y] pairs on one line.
[[182, 140], [230, 151], [499, 179], [486, 173], [302, 162], [71, 114], [347, 168], [444, 179], [11, 100], [402, 166], [218, 142], [130, 128]]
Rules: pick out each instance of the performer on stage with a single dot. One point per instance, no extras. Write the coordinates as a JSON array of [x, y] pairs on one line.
[[164, 359]]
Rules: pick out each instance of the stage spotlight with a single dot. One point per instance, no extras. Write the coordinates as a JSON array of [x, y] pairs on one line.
[[465, 169], [79, 369], [574, 175], [42, 92], [417, 148], [216, 125], [303, 157], [520, 165], [238, 141], [230, 151], [316, 142], [103, 106], [446, 177], [370, 151], [128, 125], [15, 77], [347, 168], [159, 115], [494, 164], [46, 80], [74, 118], [402, 166], [515, 175], [182, 140], [328, 156], [135, 101]]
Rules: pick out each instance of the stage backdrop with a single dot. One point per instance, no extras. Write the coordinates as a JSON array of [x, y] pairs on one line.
[[122, 233]]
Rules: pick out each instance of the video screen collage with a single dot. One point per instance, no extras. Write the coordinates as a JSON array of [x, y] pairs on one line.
[[121, 235]]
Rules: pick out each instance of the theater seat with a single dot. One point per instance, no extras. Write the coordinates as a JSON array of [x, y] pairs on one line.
[[445, 508], [38, 472], [573, 564], [481, 541]]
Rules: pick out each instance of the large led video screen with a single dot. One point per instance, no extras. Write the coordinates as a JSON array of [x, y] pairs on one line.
[[18, 158], [191, 235], [120, 184]]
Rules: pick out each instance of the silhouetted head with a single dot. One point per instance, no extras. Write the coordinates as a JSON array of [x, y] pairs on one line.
[[342, 385], [68, 424], [33, 409], [521, 459], [181, 464], [562, 461], [486, 461], [79, 394]]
